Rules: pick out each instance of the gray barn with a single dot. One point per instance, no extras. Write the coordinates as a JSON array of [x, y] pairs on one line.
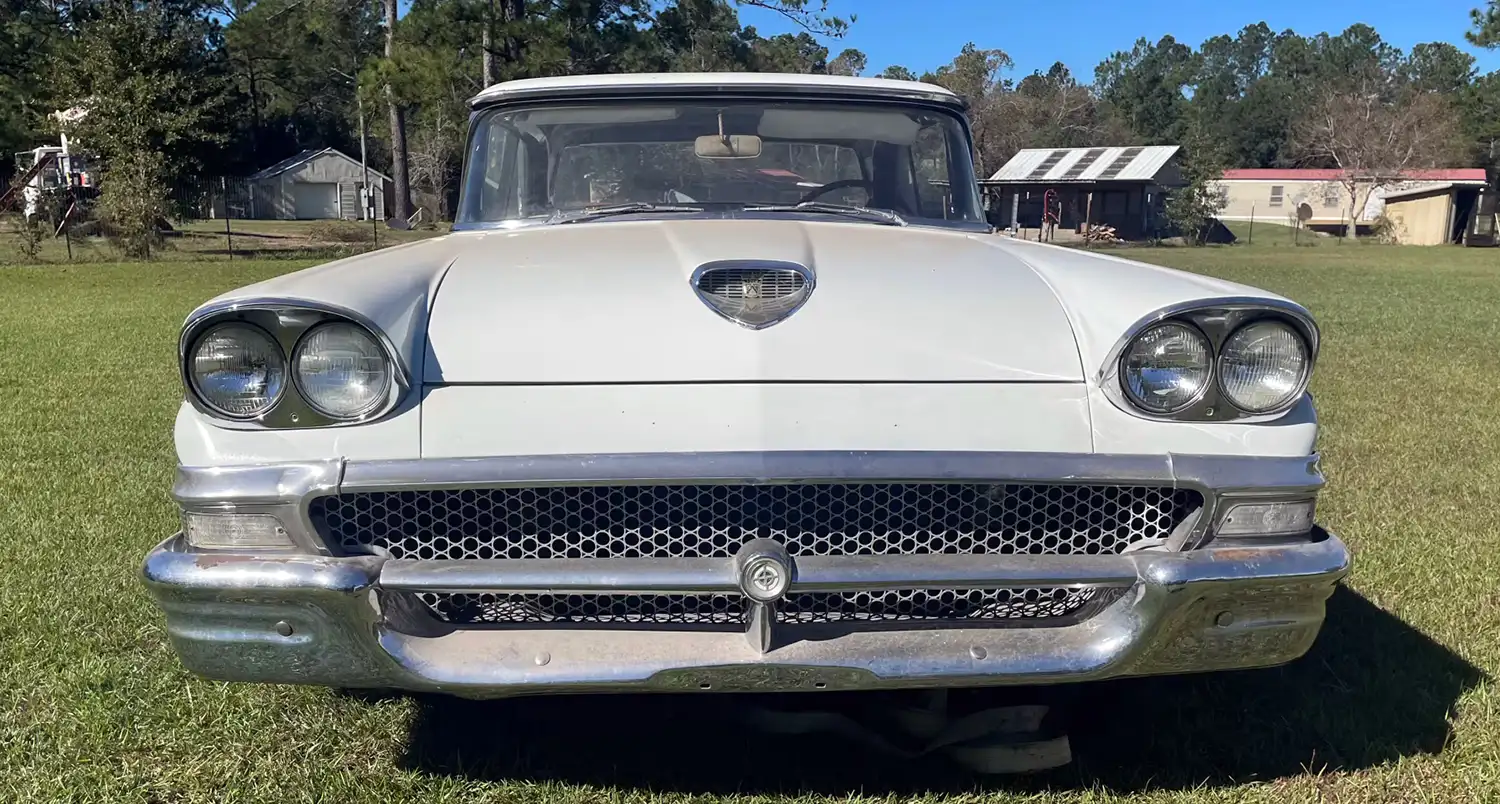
[[314, 185]]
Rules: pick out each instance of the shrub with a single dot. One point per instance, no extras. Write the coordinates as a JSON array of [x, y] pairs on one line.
[[29, 237], [1384, 230], [133, 199]]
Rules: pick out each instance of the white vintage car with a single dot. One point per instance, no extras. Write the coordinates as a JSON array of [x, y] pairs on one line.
[[722, 382]]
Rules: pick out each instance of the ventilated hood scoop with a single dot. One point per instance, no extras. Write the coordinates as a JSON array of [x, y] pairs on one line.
[[753, 293]]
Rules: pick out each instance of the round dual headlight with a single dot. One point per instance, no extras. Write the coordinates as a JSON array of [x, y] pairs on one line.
[[1167, 368], [341, 370], [237, 369], [1263, 366]]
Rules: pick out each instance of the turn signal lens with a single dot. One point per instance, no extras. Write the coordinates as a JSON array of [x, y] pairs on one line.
[[221, 531], [1268, 519]]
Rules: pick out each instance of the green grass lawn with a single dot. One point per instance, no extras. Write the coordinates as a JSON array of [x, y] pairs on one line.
[[1393, 704], [207, 241]]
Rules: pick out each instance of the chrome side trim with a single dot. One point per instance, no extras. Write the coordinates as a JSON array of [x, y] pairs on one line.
[[1216, 318], [287, 320], [775, 467], [1209, 474], [632, 576], [721, 576]]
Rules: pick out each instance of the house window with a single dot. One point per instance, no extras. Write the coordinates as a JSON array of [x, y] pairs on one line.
[[1278, 195], [1331, 196]]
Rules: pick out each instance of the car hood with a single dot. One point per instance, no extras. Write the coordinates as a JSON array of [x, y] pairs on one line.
[[612, 302]]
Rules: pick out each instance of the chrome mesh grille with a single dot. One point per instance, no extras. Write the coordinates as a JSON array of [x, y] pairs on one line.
[[751, 283], [708, 521], [969, 605]]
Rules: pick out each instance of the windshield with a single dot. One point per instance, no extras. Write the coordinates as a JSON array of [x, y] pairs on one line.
[[552, 162]]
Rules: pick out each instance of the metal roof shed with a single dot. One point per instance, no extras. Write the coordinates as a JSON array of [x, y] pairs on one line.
[[315, 184], [1120, 186]]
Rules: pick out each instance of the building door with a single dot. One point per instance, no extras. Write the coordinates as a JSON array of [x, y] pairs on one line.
[[315, 201]]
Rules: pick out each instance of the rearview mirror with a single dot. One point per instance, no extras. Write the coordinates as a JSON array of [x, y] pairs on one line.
[[728, 146]]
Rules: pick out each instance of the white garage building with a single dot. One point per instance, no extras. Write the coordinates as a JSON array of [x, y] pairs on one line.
[[315, 185]]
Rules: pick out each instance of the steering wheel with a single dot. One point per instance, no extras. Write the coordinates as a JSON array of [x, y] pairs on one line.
[[841, 184]]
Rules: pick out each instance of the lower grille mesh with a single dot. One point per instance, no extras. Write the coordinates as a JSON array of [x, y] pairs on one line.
[[937, 604], [989, 605], [476, 609]]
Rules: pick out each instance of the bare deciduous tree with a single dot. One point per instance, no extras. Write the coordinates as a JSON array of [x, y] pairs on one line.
[[434, 149], [1376, 142]]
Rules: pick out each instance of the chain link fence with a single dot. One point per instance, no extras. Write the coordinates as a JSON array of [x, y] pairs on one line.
[[206, 218], [211, 198]]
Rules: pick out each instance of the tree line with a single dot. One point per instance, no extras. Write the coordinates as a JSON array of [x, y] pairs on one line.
[[185, 88]]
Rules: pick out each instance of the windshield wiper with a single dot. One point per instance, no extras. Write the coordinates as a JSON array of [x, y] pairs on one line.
[[589, 213], [885, 216]]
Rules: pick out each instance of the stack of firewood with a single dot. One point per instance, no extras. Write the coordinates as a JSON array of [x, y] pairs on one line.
[[1101, 233]]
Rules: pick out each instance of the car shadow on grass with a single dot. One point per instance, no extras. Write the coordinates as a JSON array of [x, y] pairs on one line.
[[1371, 690]]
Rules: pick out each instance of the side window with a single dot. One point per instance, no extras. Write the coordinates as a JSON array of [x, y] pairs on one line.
[[497, 186], [929, 156], [1278, 195]]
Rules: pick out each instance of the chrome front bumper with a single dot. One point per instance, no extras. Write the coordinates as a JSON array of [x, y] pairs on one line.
[[302, 617]]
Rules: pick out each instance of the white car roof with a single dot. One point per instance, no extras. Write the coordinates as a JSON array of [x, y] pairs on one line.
[[626, 84]]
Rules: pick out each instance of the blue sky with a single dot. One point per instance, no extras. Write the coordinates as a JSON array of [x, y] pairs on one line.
[[1081, 33]]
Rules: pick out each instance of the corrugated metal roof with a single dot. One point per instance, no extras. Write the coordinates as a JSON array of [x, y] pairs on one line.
[[1408, 192], [1061, 165]]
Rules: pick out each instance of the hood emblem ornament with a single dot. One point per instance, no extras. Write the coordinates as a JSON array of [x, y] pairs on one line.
[[753, 293]]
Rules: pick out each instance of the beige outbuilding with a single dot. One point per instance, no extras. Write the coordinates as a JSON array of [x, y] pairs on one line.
[[1423, 216], [1434, 206]]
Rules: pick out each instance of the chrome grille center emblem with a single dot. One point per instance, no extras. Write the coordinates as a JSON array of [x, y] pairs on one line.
[[754, 294], [766, 578]]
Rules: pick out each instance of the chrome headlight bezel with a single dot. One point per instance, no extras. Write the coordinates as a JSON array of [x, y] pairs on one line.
[[287, 321], [1216, 319]]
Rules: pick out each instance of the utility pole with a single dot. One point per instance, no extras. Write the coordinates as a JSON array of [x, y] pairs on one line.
[[364, 165]]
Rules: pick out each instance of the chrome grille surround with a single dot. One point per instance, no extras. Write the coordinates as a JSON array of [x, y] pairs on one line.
[[708, 521], [713, 521]]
